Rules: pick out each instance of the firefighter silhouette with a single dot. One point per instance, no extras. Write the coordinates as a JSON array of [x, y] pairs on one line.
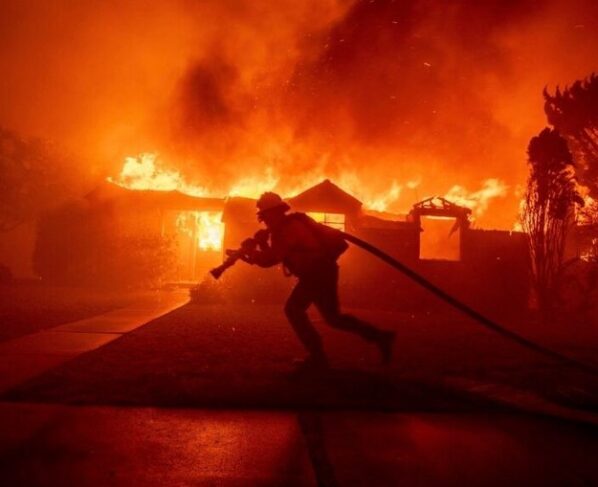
[[309, 251]]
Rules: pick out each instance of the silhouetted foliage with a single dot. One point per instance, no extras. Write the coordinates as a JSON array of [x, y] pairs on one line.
[[550, 199], [573, 111], [77, 245], [578, 291], [33, 176]]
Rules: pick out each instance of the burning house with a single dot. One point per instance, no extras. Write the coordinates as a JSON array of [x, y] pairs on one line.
[[486, 268], [115, 229]]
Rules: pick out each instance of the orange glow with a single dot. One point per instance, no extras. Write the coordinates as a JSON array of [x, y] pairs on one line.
[[334, 220], [210, 230], [204, 227], [254, 187], [146, 172], [477, 201], [242, 97], [586, 215], [439, 240], [141, 172], [382, 202]]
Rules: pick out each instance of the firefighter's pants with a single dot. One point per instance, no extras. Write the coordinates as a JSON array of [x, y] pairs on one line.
[[321, 289]]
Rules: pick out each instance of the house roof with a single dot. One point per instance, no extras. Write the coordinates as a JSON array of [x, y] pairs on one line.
[[438, 206], [370, 221], [168, 200], [325, 197], [239, 209]]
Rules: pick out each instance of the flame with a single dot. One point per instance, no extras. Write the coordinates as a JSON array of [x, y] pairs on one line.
[[588, 213], [210, 230], [379, 201], [146, 172], [477, 201], [253, 187], [142, 173], [205, 227], [382, 202]]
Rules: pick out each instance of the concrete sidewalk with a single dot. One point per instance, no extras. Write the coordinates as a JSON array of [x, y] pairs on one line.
[[28, 356]]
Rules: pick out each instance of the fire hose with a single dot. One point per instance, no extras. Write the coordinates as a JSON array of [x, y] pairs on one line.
[[234, 255], [467, 310]]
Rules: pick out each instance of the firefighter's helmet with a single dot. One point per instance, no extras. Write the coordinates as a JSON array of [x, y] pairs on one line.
[[270, 201]]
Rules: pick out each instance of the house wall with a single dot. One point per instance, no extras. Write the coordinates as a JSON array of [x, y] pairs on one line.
[[492, 275]]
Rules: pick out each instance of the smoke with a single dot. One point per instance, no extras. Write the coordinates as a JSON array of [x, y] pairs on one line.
[[377, 91]]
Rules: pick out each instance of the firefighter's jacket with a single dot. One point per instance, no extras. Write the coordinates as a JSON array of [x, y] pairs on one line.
[[296, 244]]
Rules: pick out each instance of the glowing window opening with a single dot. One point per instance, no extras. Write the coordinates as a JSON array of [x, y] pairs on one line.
[[204, 227], [334, 220], [440, 239]]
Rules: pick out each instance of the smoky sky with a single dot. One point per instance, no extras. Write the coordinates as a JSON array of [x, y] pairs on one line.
[[440, 92]]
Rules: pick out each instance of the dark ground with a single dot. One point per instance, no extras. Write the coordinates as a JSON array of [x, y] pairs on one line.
[[27, 307], [205, 396], [241, 357], [56, 446]]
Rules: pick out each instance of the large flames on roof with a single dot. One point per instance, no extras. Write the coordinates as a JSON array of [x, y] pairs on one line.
[[142, 173], [146, 172]]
